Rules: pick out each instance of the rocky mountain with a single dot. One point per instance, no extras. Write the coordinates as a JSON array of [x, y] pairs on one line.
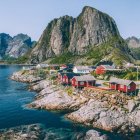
[[134, 45], [133, 42], [92, 36], [14, 46], [4, 41]]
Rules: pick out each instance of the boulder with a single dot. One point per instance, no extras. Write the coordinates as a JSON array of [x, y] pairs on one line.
[[131, 105], [95, 135]]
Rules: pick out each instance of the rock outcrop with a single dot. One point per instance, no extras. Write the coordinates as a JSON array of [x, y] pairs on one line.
[[90, 31], [15, 46], [27, 132], [39, 132], [52, 97], [25, 77], [95, 135]]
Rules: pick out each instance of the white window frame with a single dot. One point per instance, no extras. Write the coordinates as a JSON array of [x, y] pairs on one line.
[[82, 83], [128, 87], [121, 86]]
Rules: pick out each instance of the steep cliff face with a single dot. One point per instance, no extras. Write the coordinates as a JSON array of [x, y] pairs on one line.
[[14, 47], [91, 28], [19, 45], [78, 36], [55, 39]]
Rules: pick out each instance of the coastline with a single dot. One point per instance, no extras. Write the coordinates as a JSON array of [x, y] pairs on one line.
[[95, 112], [17, 65]]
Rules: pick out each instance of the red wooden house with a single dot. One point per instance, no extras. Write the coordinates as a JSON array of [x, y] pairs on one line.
[[83, 81], [122, 85], [65, 78], [103, 68], [68, 77]]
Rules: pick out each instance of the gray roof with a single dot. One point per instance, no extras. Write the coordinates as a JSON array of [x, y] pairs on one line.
[[43, 65], [120, 81], [84, 78], [108, 67], [83, 68]]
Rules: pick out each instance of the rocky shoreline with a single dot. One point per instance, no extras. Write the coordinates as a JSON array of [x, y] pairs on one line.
[[107, 111], [39, 132]]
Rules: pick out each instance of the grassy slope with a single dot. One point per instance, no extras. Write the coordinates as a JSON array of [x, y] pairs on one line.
[[114, 50]]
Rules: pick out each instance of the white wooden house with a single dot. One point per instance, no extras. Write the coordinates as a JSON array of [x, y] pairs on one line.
[[82, 69]]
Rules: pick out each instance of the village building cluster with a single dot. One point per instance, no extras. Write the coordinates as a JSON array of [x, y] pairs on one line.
[[80, 77]]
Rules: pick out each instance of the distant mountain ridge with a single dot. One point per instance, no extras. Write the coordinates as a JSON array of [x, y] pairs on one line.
[[133, 42], [134, 45], [16, 46], [91, 37]]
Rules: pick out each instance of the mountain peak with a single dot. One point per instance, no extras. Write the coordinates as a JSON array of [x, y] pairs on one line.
[[89, 8], [14, 47], [5, 35], [133, 42], [77, 36], [21, 36]]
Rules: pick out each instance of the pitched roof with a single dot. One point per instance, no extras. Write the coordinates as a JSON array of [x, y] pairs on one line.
[[108, 67], [120, 81], [69, 75], [83, 68], [84, 78]]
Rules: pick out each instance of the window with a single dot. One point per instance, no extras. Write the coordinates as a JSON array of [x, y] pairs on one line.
[[121, 86], [128, 87], [81, 83]]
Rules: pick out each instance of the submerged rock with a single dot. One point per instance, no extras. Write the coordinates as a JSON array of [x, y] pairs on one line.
[[27, 132], [131, 105], [95, 135]]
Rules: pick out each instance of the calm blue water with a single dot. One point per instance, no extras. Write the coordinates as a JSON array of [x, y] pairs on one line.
[[13, 112], [13, 99]]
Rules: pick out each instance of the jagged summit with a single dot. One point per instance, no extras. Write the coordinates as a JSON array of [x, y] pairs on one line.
[[81, 35], [14, 46]]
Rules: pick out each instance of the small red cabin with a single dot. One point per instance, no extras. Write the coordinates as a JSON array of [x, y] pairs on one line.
[[65, 78], [83, 81], [122, 85], [103, 68]]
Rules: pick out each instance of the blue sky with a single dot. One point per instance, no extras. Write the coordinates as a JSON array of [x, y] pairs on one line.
[[32, 16]]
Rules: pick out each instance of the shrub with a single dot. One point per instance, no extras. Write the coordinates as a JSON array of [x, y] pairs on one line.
[[40, 73]]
